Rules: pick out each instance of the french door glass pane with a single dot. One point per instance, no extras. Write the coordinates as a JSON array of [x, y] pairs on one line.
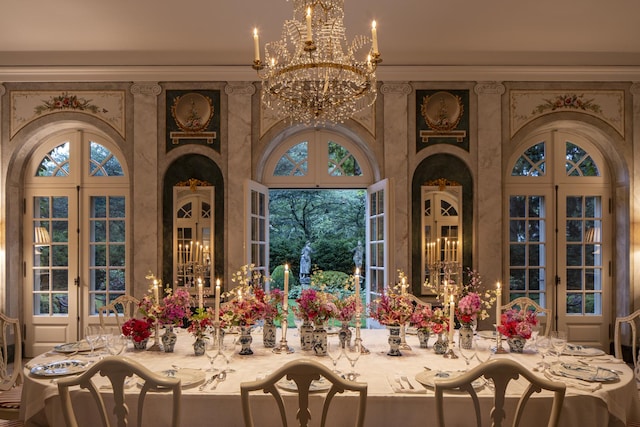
[[527, 249], [106, 249], [583, 257]]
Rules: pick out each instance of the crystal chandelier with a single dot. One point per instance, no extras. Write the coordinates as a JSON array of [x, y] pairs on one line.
[[311, 75]]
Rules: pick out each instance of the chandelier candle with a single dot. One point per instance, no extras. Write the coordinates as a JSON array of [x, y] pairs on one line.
[[374, 38]]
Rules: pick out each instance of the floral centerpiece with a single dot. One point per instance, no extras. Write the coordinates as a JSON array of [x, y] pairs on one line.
[[200, 323], [439, 322], [346, 308], [391, 309], [271, 303], [245, 310], [139, 330], [175, 307], [315, 306], [468, 309], [517, 323], [421, 320]]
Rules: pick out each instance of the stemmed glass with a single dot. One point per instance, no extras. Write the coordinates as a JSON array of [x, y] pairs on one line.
[[483, 349], [543, 345], [212, 352], [334, 351], [468, 353], [92, 335], [352, 357], [228, 347], [558, 342], [115, 343]]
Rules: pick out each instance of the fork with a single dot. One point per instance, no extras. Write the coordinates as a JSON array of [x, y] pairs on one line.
[[404, 378]]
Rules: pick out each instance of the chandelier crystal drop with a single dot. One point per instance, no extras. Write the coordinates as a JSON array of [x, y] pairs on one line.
[[311, 75]]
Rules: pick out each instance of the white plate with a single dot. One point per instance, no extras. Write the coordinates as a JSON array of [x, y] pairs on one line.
[[61, 367], [73, 347], [316, 386], [583, 372], [428, 378], [188, 377], [578, 350]]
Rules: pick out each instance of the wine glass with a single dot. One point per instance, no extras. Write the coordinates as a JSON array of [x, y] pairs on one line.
[[212, 352], [334, 351], [483, 349], [115, 343], [92, 334], [558, 342], [228, 347], [543, 345], [468, 352], [352, 357]]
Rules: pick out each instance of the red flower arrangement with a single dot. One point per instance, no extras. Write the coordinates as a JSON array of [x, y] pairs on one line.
[[175, 307], [245, 310], [515, 323], [271, 302], [137, 329], [391, 309]]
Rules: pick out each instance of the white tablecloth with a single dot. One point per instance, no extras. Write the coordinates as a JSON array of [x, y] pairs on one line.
[[612, 405]]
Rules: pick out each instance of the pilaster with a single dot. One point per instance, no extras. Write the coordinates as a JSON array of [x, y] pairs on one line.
[[631, 301], [238, 170], [396, 161], [489, 246], [145, 205]]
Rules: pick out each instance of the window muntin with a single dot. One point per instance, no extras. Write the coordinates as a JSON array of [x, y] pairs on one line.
[[56, 162]]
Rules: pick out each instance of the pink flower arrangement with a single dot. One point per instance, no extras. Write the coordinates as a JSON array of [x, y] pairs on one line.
[[315, 306], [243, 311], [346, 308], [515, 323], [391, 309], [137, 329], [468, 308], [175, 307], [421, 318], [439, 322]]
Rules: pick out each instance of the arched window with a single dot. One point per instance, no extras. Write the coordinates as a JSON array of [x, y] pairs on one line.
[[76, 194]]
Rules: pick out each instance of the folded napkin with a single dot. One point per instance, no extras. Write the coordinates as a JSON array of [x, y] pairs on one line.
[[574, 382], [395, 381]]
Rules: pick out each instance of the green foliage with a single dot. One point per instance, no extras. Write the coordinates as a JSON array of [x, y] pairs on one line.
[[277, 279], [332, 220]]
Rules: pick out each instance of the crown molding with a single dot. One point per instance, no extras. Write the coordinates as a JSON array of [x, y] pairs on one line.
[[384, 73]]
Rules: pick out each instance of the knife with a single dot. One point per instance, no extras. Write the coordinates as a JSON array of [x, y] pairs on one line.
[[209, 381]]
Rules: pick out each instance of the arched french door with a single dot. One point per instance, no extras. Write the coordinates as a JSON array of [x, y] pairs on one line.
[[321, 159], [559, 231], [76, 216]]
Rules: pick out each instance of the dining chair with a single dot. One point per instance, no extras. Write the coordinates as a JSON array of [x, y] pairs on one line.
[[10, 372], [123, 307], [417, 301], [117, 369], [301, 374], [526, 303], [500, 372], [632, 320]]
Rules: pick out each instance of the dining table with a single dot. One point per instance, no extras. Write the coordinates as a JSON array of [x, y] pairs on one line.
[[400, 388]]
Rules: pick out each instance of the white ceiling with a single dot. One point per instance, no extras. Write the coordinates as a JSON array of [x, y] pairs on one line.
[[91, 33]]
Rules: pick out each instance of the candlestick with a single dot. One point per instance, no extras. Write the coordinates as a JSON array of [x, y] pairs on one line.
[[452, 309], [357, 290], [309, 35], [403, 287], [256, 46], [374, 38], [200, 296], [284, 346]]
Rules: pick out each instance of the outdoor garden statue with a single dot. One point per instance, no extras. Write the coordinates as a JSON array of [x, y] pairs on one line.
[[358, 252], [305, 261]]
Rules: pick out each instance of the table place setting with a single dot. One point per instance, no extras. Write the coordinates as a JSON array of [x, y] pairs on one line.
[[400, 383]]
